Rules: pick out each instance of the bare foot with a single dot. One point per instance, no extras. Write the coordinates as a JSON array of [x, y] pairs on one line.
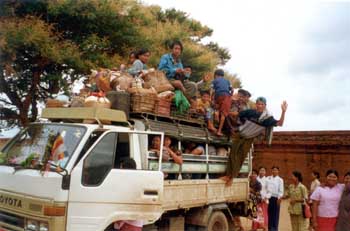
[[219, 133], [212, 129]]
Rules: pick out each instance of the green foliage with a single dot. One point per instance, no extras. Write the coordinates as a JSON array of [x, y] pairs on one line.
[[223, 53], [234, 80], [3, 158], [46, 45]]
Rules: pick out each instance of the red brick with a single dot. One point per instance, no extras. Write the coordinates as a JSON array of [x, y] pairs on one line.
[[305, 152]]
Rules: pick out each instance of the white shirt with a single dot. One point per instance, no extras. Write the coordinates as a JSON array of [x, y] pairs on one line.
[[265, 194], [275, 186], [314, 184]]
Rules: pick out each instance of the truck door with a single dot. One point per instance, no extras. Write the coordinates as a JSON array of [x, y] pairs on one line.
[[101, 192]]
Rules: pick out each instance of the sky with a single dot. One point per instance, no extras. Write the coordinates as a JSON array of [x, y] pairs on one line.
[[297, 51]]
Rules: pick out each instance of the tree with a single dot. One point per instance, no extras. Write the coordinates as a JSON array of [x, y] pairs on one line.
[[33, 60], [46, 45]]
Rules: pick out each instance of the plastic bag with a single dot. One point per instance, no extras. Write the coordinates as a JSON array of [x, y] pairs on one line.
[[181, 102]]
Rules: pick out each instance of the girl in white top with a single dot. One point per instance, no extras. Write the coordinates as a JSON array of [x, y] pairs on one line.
[[265, 195], [315, 182]]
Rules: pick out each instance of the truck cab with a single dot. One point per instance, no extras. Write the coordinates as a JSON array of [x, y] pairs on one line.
[[65, 173]]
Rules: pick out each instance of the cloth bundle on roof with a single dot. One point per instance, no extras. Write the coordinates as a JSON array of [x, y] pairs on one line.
[[181, 102], [97, 99], [120, 81]]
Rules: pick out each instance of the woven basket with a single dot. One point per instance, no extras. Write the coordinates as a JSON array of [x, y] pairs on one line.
[[143, 100], [162, 107]]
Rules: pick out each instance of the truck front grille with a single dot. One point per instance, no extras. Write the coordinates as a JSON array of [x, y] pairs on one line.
[[12, 219]]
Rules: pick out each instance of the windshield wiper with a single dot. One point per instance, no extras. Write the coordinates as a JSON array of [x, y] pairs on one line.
[[18, 167], [56, 167], [40, 166]]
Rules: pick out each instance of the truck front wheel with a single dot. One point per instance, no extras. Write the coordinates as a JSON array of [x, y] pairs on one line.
[[217, 222]]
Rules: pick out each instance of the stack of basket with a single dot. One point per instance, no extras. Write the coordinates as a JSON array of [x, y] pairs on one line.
[[143, 100], [162, 107]]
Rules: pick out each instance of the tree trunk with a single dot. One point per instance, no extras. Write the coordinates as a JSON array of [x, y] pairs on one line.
[[23, 117], [30, 100]]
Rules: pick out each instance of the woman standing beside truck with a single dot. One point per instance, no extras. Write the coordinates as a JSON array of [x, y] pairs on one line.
[[298, 195], [325, 203]]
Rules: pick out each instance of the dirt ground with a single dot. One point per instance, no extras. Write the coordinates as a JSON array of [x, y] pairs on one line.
[[284, 224]]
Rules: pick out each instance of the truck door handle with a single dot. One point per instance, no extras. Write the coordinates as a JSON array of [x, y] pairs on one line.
[[150, 192]]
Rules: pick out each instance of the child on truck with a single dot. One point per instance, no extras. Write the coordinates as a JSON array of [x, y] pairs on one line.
[[204, 108], [222, 96], [167, 151]]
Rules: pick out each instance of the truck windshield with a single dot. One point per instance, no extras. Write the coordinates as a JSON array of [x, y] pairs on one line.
[[40, 143]]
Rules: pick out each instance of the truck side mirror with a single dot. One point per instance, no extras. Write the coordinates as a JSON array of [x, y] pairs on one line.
[[65, 182]]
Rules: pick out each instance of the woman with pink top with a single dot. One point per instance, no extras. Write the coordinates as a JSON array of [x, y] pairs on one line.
[[326, 202]]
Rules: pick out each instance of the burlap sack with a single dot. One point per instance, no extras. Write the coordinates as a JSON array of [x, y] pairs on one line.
[[158, 80], [77, 101], [120, 81]]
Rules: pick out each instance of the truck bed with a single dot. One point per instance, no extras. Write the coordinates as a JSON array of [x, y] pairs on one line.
[[193, 193]]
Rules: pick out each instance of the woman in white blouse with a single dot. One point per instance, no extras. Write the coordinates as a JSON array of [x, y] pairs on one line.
[[265, 195]]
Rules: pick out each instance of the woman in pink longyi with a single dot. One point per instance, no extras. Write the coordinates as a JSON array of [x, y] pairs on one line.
[[325, 203]]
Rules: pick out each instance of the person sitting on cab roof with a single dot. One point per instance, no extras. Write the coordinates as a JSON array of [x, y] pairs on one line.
[[139, 65], [175, 72], [167, 151], [131, 60]]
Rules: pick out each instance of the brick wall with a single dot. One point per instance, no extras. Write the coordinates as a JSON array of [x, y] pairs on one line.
[[305, 152]]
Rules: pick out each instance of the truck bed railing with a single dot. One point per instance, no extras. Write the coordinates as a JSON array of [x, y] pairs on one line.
[[195, 164]]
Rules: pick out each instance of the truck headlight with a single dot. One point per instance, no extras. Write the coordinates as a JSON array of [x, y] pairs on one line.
[[33, 225], [44, 226]]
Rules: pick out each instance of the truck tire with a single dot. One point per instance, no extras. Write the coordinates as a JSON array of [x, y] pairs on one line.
[[218, 222]]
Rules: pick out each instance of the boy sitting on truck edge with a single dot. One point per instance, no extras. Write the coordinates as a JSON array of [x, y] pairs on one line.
[[222, 95], [241, 145]]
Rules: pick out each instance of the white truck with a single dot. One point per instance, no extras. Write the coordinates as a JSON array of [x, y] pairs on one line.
[[64, 174]]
